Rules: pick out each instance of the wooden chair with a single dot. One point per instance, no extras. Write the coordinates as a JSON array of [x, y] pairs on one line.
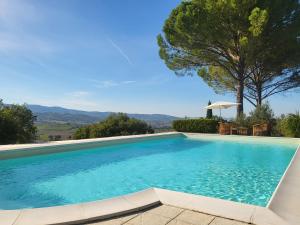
[[262, 129], [233, 129], [224, 128], [242, 131]]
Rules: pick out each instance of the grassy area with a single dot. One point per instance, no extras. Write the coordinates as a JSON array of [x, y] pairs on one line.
[[51, 131], [55, 131]]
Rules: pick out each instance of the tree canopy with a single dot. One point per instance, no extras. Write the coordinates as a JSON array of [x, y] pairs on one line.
[[223, 41], [211, 38], [115, 125], [16, 124], [275, 58]]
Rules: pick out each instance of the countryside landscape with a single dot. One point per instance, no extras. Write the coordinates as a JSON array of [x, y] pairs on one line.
[[174, 112], [61, 123]]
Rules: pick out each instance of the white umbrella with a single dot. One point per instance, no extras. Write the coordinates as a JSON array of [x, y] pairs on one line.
[[222, 105]]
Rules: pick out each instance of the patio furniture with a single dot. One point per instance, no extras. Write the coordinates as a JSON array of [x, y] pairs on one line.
[[262, 129], [224, 128], [242, 131], [233, 129]]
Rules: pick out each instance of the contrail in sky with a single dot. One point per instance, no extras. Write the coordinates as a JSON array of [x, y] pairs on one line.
[[120, 51]]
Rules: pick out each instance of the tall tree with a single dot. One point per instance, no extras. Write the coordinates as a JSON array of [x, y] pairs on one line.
[[275, 60], [210, 37], [209, 113]]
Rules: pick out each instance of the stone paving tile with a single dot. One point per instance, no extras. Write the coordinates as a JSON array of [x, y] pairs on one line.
[[109, 222], [223, 221], [195, 218], [148, 219], [178, 222], [117, 221], [168, 215], [166, 211]]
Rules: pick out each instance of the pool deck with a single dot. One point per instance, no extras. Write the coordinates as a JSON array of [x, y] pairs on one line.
[[167, 215], [283, 208]]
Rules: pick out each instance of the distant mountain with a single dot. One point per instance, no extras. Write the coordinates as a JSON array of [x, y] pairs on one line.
[[46, 114]]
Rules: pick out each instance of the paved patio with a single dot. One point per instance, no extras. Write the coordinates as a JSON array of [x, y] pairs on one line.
[[168, 215]]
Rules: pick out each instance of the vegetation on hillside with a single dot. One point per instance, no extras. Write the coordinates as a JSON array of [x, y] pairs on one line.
[[115, 125], [55, 131], [52, 116], [16, 124]]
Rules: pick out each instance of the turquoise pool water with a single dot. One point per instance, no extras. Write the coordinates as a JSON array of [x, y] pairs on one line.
[[239, 172]]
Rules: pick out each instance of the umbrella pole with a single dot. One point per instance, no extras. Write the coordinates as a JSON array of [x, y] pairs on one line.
[[220, 113]]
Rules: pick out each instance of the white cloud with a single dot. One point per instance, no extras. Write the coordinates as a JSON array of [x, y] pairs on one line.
[[106, 84], [109, 83], [129, 81], [78, 94]]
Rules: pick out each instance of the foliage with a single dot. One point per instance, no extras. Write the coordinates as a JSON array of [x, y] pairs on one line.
[[277, 128], [212, 38], [243, 121], [262, 114], [201, 125], [16, 124], [115, 125], [275, 57], [232, 43], [209, 112], [290, 125]]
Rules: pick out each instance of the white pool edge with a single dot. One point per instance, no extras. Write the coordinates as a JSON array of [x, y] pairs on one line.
[[283, 177], [286, 199], [104, 209], [90, 211], [23, 150], [82, 141]]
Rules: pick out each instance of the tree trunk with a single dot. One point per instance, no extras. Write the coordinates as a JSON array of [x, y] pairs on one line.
[[258, 100], [259, 95], [240, 98]]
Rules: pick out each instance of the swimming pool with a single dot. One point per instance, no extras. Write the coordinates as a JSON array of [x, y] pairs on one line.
[[238, 171]]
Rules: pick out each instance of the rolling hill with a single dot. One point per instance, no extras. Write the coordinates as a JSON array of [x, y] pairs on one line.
[[46, 114], [57, 123]]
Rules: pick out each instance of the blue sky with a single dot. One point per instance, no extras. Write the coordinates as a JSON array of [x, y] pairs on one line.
[[98, 55]]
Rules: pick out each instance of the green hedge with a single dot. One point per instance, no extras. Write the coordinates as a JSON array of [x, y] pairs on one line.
[[201, 125]]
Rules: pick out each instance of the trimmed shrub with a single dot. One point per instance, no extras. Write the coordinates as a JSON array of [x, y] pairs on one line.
[[201, 125]]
